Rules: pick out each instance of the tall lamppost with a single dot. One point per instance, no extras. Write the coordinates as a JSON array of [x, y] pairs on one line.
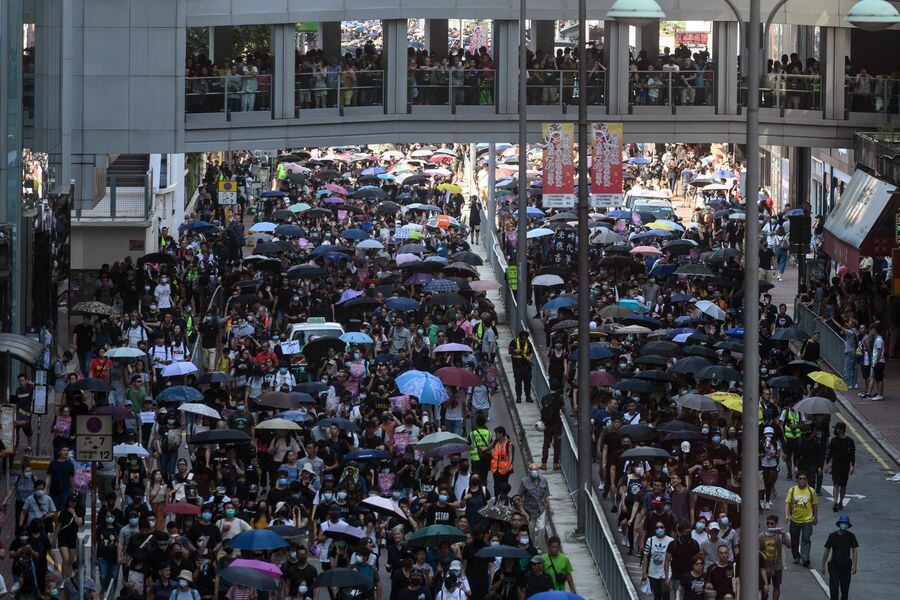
[[871, 15], [522, 225]]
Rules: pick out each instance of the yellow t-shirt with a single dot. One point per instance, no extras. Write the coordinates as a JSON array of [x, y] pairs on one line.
[[803, 502]]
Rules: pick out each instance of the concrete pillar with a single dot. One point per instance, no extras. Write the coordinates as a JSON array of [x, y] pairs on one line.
[[284, 50], [437, 37], [221, 40], [835, 47], [396, 65], [330, 38], [649, 40], [491, 183], [506, 65], [617, 69], [725, 57], [545, 36]]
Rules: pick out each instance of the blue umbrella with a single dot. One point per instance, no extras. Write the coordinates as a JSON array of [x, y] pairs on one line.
[[323, 250], [258, 539], [715, 201], [297, 416], [354, 234], [678, 298], [373, 171], [678, 331], [642, 320], [596, 350], [200, 227], [735, 332], [664, 269], [795, 212], [428, 388], [531, 211], [180, 393], [356, 337], [441, 286], [402, 304], [620, 214], [632, 304], [386, 177], [368, 454], [273, 194], [639, 160], [555, 595], [559, 302]]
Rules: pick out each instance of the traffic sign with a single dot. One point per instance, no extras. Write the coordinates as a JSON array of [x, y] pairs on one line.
[[93, 437], [227, 198], [228, 185]]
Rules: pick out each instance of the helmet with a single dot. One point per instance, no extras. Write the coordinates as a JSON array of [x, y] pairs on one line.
[[540, 426]]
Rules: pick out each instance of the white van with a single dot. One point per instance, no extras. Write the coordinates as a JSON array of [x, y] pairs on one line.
[[316, 327], [641, 196]]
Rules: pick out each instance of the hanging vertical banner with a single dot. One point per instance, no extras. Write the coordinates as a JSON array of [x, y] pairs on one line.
[[606, 165], [559, 165]]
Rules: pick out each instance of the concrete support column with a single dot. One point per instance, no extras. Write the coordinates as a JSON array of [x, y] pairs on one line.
[[330, 38], [220, 41], [649, 40], [835, 47], [545, 36], [725, 57], [506, 65], [437, 37], [396, 65], [284, 51], [617, 69]]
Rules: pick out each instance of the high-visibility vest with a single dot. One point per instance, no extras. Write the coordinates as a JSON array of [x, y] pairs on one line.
[[501, 458], [512, 277], [479, 439], [792, 424], [523, 349]]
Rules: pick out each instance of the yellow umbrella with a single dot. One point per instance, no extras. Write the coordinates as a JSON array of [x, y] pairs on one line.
[[450, 187], [828, 380], [655, 225], [730, 401]]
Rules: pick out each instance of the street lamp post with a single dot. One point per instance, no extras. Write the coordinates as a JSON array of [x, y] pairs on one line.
[[522, 238]]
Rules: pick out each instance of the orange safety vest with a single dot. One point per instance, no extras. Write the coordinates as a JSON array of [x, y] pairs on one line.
[[501, 458]]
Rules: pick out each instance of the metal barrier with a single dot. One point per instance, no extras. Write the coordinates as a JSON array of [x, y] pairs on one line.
[[831, 344], [598, 534]]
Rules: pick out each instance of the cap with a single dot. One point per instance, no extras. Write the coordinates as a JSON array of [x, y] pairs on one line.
[[844, 519], [769, 431], [456, 566], [308, 468], [185, 574], [328, 477], [537, 559], [279, 506], [713, 525], [685, 447]]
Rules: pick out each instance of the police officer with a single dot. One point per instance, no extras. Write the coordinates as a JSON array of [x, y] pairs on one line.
[[521, 352]]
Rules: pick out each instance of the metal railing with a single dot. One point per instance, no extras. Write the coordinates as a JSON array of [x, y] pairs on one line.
[[787, 92], [559, 87], [452, 87], [691, 87], [232, 93], [339, 89], [831, 344], [599, 536], [125, 202], [872, 95]]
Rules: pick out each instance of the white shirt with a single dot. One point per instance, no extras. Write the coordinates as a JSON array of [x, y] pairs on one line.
[[878, 350], [163, 295], [656, 548]]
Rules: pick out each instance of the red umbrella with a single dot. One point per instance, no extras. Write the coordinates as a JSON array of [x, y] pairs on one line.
[[602, 379], [182, 508], [457, 376]]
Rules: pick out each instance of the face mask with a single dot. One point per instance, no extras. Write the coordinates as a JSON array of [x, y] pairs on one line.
[[282, 481], [534, 474], [700, 527], [342, 495], [54, 593], [723, 521], [133, 522], [442, 497], [622, 366], [495, 542], [844, 526], [229, 513], [170, 422], [396, 495], [163, 545], [282, 370], [665, 470], [524, 541], [38, 493], [239, 407], [29, 474], [420, 331], [660, 531], [183, 582], [23, 538], [206, 515], [327, 496], [716, 439], [110, 520], [356, 355], [293, 554], [303, 589], [639, 471], [151, 523]]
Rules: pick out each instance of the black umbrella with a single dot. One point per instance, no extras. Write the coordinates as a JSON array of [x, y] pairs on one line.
[[638, 433], [283, 214], [349, 208], [790, 334], [370, 192], [221, 436], [676, 425], [158, 257], [342, 424], [360, 303], [89, 384], [342, 578], [690, 365], [424, 266], [702, 351], [215, 377], [732, 345], [318, 213], [502, 551], [288, 531], [662, 348], [417, 178], [720, 373], [272, 247], [805, 366], [249, 578], [618, 262], [784, 382], [447, 300], [317, 349], [289, 230], [468, 257], [387, 207], [305, 271], [656, 375], [635, 386], [682, 435], [651, 361], [292, 157], [644, 452], [327, 174], [310, 387], [279, 400]]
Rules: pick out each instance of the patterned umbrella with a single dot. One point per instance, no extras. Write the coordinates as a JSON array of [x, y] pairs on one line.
[[428, 388], [441, 285], [95, 308], [717, 494]]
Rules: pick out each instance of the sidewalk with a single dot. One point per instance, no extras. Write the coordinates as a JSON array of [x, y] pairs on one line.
[[587, 578]]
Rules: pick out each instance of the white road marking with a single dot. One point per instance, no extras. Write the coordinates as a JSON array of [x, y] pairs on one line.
[[821, 582]]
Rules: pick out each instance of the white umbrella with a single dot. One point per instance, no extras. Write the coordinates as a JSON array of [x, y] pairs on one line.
[[606, 236], [547, 280], [370, 245], [179, 368], [280, 424], [126, 449], [715, 187], [200, 409], [538, 233], [384, 506], [711, 310], [406, 257], [263, 227], [125, 352]]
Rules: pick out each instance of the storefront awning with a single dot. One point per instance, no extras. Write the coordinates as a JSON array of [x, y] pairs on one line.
[[20, 347], [861, 223]]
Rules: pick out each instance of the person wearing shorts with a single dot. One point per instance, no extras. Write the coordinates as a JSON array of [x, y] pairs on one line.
[[876, 383]]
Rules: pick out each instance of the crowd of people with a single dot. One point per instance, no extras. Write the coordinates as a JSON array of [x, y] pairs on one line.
[[666, 381], [356, 79], [237, 85], [326, 420], [684, 78]]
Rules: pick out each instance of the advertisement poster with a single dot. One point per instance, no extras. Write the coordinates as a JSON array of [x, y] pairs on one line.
[[559, 165], [606, 165]]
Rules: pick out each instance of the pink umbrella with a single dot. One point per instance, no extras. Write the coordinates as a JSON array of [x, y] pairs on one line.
[[334, 200], [644, 250], [335, 188], [437, 158], [265, 568], [453, 348], [483, 286]]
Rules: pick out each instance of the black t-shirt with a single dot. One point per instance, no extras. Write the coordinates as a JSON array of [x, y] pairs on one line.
[[693, 586], [441, 515], [205, 530], [535, 583], [296, 573], [61, 473], [783, 320], [841, 546], [722, 579], [84, 334], [682, 555], [423, 593]]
